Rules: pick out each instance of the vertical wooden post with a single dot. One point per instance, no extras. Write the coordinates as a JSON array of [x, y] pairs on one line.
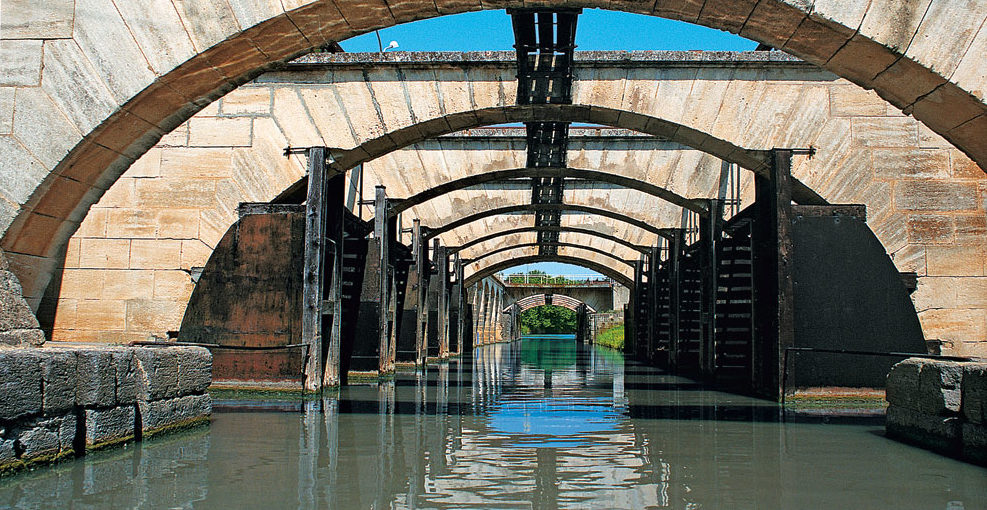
[[773, 290], [442, 262], [334, 236], [675, 247], [709, 238], [314, 260], [420, 251], [464, 345], [382, 235], [653, 256]]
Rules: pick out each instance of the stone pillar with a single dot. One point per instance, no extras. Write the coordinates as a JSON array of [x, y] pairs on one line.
[[18, 325]]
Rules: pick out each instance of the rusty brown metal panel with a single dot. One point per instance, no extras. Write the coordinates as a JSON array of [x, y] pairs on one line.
[[249, 295]]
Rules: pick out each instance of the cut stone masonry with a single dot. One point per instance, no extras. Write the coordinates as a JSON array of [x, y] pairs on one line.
[[64, 400]]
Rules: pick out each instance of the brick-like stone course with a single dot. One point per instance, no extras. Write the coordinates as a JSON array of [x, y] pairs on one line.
[[940, 405], [62, 400]]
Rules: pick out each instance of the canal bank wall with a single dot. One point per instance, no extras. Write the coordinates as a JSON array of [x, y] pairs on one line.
[[940, 405], [61, 401]]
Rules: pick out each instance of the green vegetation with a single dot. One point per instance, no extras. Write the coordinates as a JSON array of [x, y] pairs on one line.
[[548, 320], [612, 338], [536, 277]]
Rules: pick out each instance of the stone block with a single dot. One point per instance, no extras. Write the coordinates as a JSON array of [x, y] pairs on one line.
[[20, 63], [59, 379], [161, 415], [157, 373], [157, 254], [219, 132], [104, 253], [105, 427], [20, 383], [903, 383], [125, 368], [935, 195], [974, 398], [27, 19], [940, 433], [44, 440], [194, 370], [975, 442], [939, 387], [102, 315], [96, 377], [22, 337]]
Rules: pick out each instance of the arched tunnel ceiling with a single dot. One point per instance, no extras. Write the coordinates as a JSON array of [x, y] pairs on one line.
[[687, 172]]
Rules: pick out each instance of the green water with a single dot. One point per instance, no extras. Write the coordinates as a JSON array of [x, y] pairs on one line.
[[542, 423]]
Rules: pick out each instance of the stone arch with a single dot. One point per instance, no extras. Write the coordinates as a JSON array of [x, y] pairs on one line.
[[95, 132], [506, 264], [559, 244], [532, 301], [576, 230]]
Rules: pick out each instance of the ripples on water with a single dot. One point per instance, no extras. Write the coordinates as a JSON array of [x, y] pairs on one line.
[[542, 423]]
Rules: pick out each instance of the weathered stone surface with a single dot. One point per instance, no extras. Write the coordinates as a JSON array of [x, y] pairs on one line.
[[125, 365], [160, 415], [59, 378], [194, 370], [45, 438], [903, 383], [97, 379], [157, 373], [20, 63], [974, 398], [20, 383], [975, 442], [938, 432], [22, 338], [109, 426], [27, 19], [939, 387]]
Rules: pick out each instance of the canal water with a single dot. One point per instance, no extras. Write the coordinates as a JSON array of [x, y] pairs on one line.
[[541, 423]]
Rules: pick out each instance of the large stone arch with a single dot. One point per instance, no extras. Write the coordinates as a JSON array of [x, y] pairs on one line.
[[535, 300], [528, 259], [152, 67]]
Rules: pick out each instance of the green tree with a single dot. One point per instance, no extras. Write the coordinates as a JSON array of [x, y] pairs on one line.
[[548, 320]]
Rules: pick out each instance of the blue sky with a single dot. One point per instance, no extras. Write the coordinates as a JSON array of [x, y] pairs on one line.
[[596, 30]]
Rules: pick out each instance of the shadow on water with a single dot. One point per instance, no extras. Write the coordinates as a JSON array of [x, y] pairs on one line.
[[541, 423]]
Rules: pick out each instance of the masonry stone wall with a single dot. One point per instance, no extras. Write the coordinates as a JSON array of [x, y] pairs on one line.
[[63, 400], [18, 324], [128, 269], [941, 405]]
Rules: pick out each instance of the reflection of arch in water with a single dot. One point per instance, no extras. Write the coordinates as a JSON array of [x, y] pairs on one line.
[[536, 300]]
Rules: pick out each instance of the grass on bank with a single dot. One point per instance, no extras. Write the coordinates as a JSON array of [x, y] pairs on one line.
[[612, 338]]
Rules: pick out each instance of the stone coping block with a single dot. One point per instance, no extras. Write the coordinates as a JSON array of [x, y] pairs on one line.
[[164, 415], [940, 405], [974, 393], [63, 399], [928, 386]]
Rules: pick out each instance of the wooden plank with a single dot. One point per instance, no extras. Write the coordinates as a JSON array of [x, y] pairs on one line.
[[312, 270], [334, 233]]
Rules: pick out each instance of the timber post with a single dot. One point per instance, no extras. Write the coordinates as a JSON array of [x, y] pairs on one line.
[[333, 303], [772, 258], [314, 260]]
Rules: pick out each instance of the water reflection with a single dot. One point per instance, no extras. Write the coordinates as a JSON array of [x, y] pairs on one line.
[[537, 424]]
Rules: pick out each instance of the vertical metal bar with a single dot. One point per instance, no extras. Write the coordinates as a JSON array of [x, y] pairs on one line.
[[314, 259]]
